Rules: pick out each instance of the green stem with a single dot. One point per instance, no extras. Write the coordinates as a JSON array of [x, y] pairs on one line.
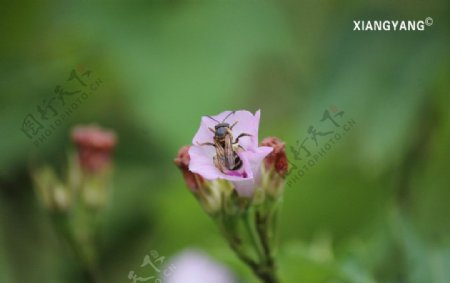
[[269, 268], [257, 227], [250, 227], [234, 241], [266, 275], [82, 250]]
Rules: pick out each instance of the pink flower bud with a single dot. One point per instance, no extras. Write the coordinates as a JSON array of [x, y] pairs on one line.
[[193, 181], [94, 146], [277, 158]]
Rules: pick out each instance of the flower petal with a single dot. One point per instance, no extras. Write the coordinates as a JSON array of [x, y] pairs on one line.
[[202, 162], [246, 123], [252, 161], [257, 156], [245, 186]]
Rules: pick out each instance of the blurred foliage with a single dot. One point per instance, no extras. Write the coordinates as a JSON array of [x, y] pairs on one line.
[[374, 209]]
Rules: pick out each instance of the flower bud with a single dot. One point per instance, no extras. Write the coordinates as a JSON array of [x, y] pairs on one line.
[[193, 180], [91, 171], [275, 167], [51, 192], [277, 158], [94, 146], [211, 196]]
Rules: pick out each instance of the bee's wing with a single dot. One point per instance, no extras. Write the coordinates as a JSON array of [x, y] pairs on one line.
[[219, 160], [220, 152], [229, 152]]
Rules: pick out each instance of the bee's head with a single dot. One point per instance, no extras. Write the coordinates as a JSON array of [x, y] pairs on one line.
[[221, 130]]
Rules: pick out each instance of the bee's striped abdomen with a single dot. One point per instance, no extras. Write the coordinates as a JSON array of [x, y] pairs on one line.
[[237, 162]]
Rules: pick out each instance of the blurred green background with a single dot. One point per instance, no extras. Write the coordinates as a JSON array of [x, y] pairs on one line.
[[374, 209]]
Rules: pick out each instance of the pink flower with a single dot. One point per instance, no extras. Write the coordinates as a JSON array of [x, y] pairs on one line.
[[247, 177], [195, 267]]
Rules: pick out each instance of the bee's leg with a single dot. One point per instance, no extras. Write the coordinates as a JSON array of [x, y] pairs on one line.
[[230, 133], [238, 148], [206, 143], [234, 124], [240, 136]]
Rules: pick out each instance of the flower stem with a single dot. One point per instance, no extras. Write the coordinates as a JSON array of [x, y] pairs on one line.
[[82, 250], [269, 268], [247, 219], [257, 228]]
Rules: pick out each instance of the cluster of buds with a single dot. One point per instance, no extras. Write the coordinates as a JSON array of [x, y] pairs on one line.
[[88, 172], [74, 201], [244, 201]]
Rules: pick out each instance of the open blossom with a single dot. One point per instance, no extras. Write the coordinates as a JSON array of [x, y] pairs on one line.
[[94, 146], [246, 178]]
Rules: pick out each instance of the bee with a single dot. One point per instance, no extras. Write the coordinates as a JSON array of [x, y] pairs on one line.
[[226, 158]]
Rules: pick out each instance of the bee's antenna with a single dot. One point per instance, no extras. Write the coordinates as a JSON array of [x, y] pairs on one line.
[[229, 114], [212, 118]]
